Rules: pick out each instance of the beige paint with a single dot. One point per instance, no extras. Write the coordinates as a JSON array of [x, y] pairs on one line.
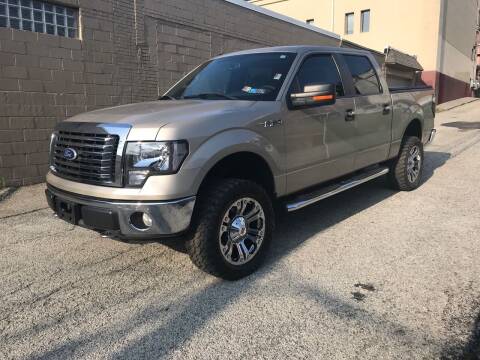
[[302, 10], [412, 26], [458, 36]]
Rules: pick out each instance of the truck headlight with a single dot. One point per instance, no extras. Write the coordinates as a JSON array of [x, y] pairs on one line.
[[153, 158]]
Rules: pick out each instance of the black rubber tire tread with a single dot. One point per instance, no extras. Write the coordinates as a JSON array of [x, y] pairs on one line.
[[213, 201], [398, 168]]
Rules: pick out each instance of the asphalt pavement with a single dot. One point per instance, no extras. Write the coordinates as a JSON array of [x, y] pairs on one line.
[[371, 273]]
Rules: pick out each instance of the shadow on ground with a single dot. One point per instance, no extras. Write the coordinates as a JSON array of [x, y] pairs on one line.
[[468, 351], [191, 313], [464, 125]]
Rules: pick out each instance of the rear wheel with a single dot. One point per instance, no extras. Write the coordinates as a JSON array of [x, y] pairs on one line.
[[406, 170], [233, 227]]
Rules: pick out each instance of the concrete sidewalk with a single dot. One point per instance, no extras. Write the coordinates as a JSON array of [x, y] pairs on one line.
[[449, 105]]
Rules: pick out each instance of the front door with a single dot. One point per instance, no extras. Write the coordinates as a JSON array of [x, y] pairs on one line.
[[319, 140]]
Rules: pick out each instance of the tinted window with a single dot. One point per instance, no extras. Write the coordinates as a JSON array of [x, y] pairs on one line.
[[238, 77], [318, 69], [365, 80]]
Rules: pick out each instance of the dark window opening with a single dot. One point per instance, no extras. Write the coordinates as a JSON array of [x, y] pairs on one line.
[[365, 23], [365, 79], [349, 23], [315, 70]]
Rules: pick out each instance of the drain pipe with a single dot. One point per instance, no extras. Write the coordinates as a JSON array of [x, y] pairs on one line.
[[333, 15]]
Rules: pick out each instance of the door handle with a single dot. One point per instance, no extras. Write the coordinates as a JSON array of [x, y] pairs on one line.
[[386, 109], [349, 115]]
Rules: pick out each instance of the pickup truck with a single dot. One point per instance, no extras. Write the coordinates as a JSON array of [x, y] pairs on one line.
[[237, 137]]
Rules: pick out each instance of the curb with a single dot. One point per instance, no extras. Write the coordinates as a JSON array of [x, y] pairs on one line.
[[442, 109]]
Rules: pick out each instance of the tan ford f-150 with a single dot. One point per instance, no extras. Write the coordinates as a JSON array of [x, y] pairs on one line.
[[239, 136]]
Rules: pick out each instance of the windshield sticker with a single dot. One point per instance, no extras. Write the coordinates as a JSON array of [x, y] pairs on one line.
[[250, 90], [283, 56], [277, 77]]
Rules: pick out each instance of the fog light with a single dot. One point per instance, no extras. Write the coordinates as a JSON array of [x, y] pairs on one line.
[[147, 220], [141, 221]]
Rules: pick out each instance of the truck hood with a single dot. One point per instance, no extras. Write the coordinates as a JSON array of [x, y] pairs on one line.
[[148, 118]]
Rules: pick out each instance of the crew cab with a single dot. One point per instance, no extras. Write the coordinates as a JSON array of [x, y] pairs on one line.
[[239, 136]]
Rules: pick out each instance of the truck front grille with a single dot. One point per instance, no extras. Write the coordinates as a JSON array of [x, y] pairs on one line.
[[91, 157]]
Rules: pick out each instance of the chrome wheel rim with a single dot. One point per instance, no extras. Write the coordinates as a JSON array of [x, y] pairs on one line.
[[242, 231], [414, 163]]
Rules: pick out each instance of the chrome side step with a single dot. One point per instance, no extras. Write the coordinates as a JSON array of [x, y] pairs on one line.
[[323, 193]]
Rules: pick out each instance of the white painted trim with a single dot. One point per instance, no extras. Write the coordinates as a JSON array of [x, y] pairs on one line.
[[273, 14]]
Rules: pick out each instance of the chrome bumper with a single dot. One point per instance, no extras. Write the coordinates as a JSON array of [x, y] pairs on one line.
[[431, 137], [169, 217]]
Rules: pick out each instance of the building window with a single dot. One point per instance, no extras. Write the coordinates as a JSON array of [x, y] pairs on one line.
[[365, 24], [349, 23], [310, 21], [39, 16]]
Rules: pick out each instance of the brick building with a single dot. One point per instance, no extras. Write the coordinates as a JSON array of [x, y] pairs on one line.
[[65, 57]]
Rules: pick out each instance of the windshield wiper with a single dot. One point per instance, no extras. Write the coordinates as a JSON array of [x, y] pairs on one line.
[[210, 96]]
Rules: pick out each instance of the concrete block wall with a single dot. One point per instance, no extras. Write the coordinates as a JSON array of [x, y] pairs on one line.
[[127, 52]]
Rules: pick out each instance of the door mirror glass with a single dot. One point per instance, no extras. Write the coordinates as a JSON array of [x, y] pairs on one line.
[[314, 95]]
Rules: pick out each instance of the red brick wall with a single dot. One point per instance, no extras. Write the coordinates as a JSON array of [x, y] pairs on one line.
[[447, 88]]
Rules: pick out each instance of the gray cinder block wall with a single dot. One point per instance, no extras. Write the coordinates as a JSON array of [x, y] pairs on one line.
[[127, 52]]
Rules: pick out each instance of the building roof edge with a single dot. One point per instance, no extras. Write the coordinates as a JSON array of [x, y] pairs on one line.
[[273, 14]]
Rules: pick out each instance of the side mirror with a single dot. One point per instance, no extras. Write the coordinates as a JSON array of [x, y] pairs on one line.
[[314, 95]]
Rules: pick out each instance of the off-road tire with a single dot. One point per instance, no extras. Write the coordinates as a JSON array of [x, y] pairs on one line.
[[212, 203], [398, 176]]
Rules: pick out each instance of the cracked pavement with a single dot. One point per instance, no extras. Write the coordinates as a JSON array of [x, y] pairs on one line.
[[370, 273]]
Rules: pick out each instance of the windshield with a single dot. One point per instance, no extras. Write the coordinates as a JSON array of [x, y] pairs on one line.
[[256, 77]]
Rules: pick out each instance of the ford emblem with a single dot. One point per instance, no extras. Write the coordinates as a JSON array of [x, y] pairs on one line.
[[70, 154]]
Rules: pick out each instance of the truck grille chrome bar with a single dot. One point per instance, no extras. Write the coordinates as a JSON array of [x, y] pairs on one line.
[[88, 153]]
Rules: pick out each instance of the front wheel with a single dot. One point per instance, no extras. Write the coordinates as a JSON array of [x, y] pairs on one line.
[[406, 170], [233, 227]]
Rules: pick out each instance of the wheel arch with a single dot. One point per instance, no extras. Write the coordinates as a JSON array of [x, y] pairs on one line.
[[414, 128], [234, 164]]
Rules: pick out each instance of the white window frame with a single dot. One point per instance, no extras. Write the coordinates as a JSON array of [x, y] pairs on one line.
[[25, 15]]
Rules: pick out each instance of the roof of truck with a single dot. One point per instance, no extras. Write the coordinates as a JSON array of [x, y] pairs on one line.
[[297, 49]]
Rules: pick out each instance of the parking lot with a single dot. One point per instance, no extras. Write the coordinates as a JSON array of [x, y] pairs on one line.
[[370, 273]]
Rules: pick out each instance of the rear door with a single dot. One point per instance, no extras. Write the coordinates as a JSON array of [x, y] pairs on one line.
[[319, 139], [373, 112]]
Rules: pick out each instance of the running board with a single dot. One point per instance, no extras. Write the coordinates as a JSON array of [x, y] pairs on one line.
[[308, 199]]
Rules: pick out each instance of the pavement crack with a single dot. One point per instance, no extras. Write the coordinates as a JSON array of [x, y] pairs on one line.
[[101, 261], [131, 265], [23, 213], [29, 240], [50, 293]]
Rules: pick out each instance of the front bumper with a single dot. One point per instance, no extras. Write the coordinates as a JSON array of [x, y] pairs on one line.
[[116, 216]]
